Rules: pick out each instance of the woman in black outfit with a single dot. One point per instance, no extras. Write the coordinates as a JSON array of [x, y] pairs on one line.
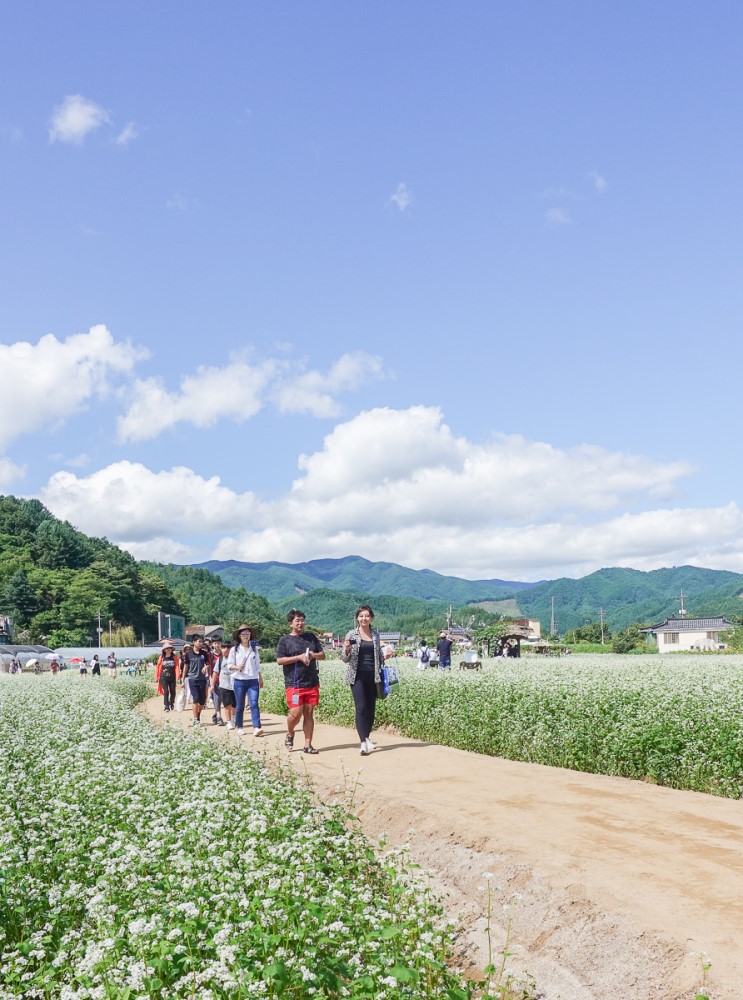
[[363, 654]]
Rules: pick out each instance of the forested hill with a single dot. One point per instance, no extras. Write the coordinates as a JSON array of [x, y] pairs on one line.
[[55, 581], [277, 580], [630, 595]]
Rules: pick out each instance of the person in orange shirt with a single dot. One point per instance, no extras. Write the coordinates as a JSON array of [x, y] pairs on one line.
[[167, 672]]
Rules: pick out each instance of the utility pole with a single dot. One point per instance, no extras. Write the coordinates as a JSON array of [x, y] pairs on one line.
[[100, 630], [682, 609], [601, 619], [552, 618]]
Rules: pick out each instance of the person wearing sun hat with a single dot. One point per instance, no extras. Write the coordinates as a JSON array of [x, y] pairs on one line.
[[244, 665], [167, 672]]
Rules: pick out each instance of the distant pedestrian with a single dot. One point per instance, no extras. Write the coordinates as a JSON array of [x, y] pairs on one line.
[[54, 666], [444, 646], [244, 664], [424, 655], [96, 665], [111, 663], [298, 653], [167, 674], [83, 667], [363, 654]]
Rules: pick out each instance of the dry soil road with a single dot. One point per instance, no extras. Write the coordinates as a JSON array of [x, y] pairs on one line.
[[621, 885]]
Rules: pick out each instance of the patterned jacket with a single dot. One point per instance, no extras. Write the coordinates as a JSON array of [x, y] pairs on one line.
[[352, 657]]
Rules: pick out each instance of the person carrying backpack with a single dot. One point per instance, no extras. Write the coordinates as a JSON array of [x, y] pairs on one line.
[[424, 656]]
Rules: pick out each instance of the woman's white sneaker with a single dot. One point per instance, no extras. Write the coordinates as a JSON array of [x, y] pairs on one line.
[[370, 746], [364, 749]]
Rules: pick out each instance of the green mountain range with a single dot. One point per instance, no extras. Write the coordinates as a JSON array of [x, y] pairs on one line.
[[625, 595], [277, 580]]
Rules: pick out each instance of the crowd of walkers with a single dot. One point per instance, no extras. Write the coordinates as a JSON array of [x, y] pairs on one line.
[[229, 674]]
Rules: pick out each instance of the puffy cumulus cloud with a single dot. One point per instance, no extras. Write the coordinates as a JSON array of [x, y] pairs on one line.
[[59, 376], [379, 449], [314, 392], [399, 485], [10, 473], [238, 390], [407, 466], [232, 392], [75, 118], [127, 501]]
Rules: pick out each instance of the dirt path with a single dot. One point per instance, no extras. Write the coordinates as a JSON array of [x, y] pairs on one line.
[[622, 884]]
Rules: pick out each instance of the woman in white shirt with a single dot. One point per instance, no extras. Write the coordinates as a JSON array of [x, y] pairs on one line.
[[245, 668]]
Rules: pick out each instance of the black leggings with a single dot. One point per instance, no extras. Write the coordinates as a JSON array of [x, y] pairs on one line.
[[364, 691], [168, 686]]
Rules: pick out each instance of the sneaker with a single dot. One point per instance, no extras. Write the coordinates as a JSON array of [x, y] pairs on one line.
[[214, 720], [258, 732], [196, 723], [220, 722], [364, 749], [240, 732], [370, 746], [230, 724]]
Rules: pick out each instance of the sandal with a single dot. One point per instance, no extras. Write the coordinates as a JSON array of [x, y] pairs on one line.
[[309, 749], [289, 740]]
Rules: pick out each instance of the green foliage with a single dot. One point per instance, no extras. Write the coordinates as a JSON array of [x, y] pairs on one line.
[[103, 891], [207, 600], [54, 580], [280, 581], [675, 721], [19, 598], [629, 595], [630, 639], [593, 632]]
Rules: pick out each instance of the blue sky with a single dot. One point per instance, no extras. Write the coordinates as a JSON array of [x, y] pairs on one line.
[[452, 285]]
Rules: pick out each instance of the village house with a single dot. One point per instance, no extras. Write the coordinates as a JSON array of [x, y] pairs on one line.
[[675, 635]]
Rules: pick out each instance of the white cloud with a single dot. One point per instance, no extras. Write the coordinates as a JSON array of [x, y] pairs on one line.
[[314, 392], [399, 485], [10, 473], [164, 550], [599, 183], [233, 392], [47, 382], [127, 134], [75, 118], [402, 197], [127, 501], [237, 392], [556, 217], [177, 202]]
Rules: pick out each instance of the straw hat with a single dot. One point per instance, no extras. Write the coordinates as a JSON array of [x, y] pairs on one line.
[[241, 628]]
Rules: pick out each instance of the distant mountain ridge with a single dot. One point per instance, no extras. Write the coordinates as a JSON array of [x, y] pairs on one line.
[[625, 595], [277, 580]]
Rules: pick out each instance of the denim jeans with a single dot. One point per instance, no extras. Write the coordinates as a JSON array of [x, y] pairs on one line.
[[252, 690]]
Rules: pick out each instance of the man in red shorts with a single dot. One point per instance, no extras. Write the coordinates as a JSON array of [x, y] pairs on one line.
[[298, 653]]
